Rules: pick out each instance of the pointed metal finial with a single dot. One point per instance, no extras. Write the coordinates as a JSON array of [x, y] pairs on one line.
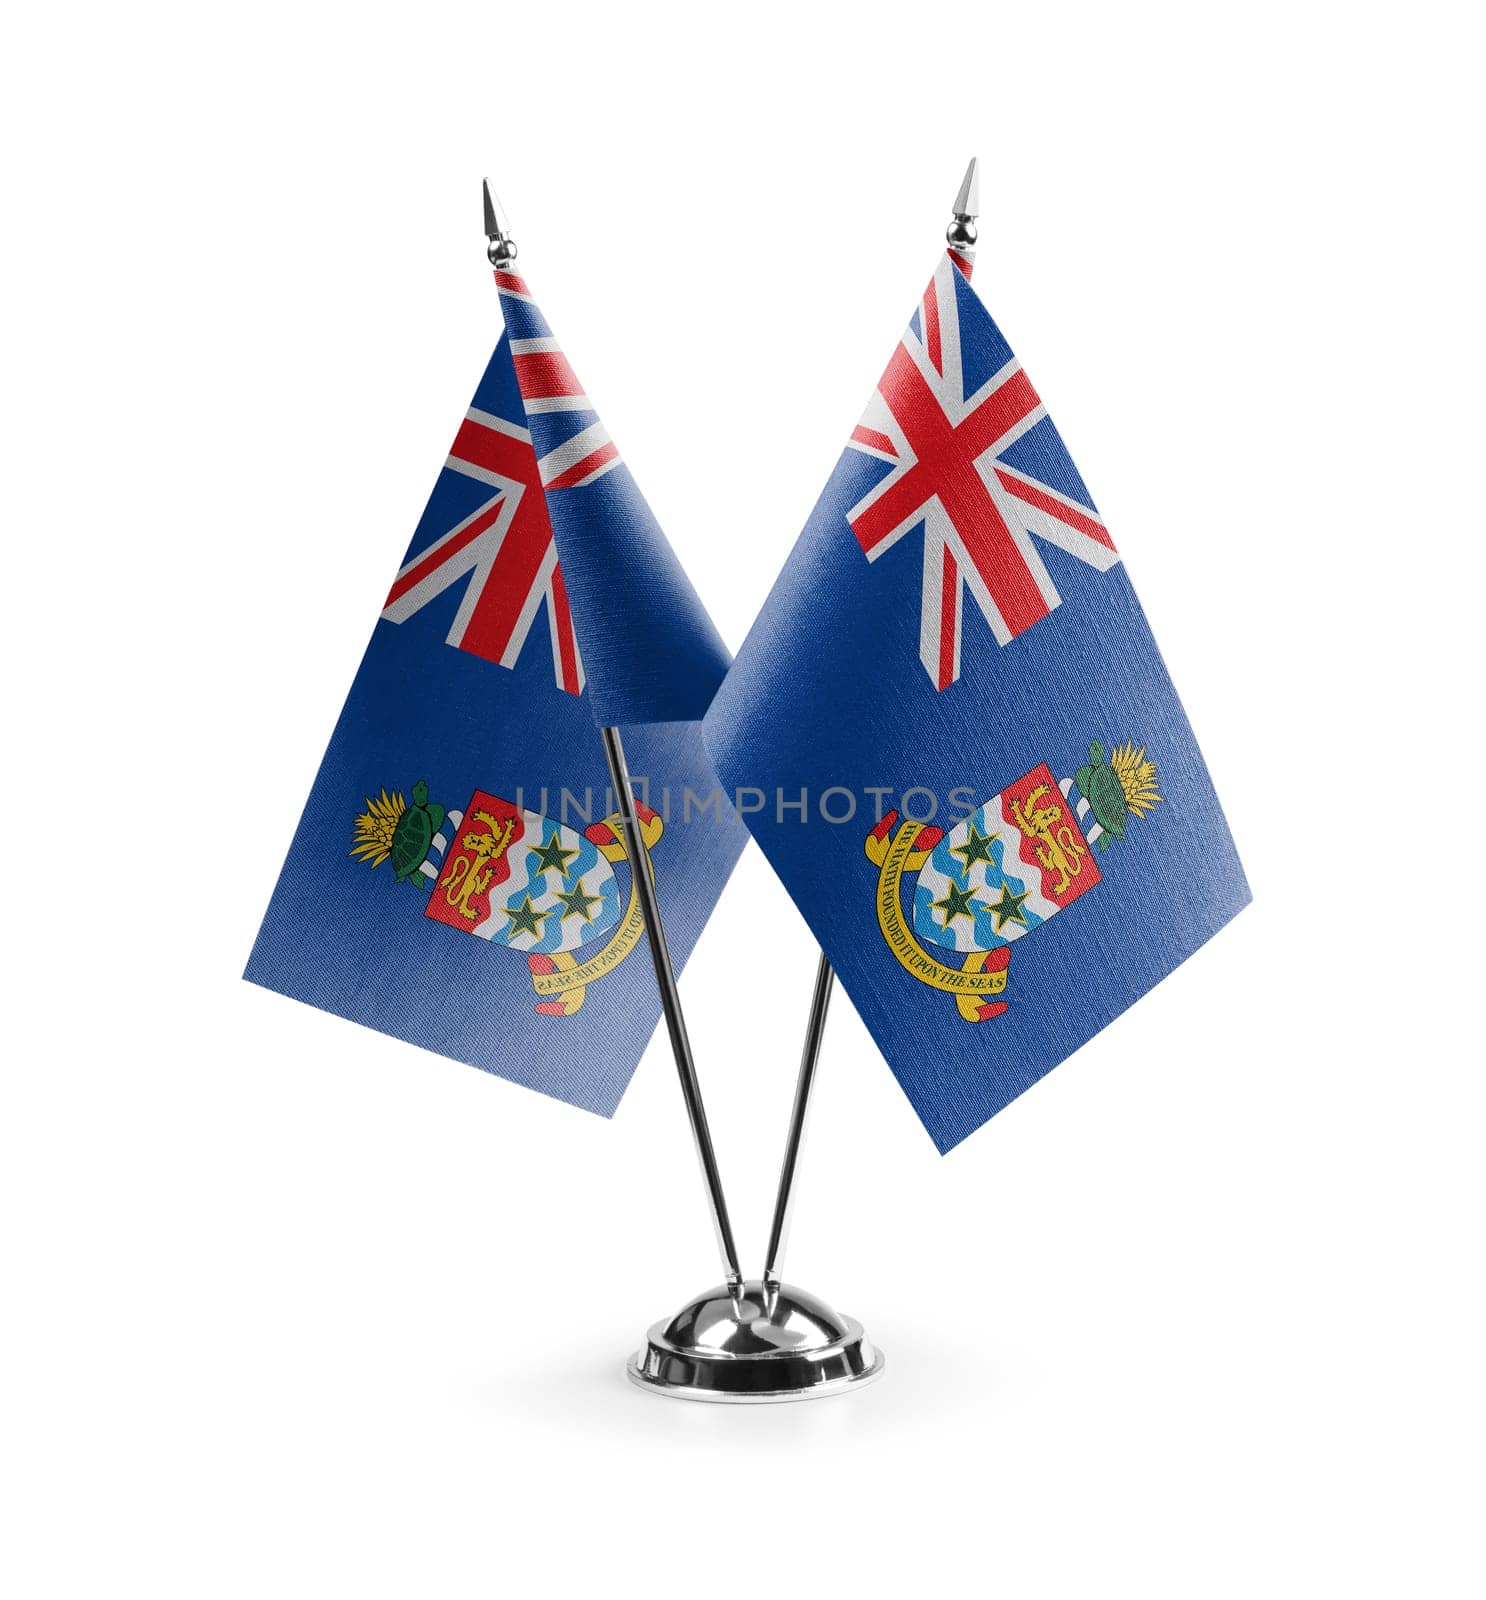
[[501, 248], [961, 232]]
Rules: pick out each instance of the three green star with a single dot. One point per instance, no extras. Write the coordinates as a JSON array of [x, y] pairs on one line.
[[956, 903], [1009, 907], [977, 847], [577, 902], [525, 918], [551, 855]]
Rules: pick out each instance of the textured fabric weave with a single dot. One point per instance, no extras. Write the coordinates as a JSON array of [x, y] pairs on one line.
[[1008, 833], [458, 878]]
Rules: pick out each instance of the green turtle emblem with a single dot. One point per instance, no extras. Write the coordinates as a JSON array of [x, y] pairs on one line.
[[1117, 787], [392, 829]]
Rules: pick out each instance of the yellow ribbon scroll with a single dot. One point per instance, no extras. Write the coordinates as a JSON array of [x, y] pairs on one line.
[[892, 858]]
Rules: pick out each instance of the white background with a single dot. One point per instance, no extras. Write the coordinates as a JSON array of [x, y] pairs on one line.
[[289, 1308]]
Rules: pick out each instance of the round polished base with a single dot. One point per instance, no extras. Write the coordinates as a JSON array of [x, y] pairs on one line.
[[768, 1345]]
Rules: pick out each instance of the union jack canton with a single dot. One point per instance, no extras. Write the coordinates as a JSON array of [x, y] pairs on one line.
[[661, 657], [977, 462], [504, 546]]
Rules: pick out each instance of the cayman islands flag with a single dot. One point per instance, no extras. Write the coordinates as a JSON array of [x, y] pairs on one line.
[[459, 877], [953, 735]]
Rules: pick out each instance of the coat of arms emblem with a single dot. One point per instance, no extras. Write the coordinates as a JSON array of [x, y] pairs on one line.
[[514, 878], [1018, 859]]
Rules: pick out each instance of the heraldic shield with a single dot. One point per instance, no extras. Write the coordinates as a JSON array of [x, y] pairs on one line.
[[516, 878], [1020, 858]]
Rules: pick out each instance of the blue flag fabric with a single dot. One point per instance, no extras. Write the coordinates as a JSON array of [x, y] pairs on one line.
[[653, 653], [459, 877], [934, 780]]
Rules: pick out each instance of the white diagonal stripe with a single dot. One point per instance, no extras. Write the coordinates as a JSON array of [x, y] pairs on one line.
[[571, 451], [488, 419]]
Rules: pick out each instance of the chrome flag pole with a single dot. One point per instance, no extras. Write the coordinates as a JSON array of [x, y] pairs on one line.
[[670, 1004], [960, 236], [780, 1343], [501, 252], [815, 1028]]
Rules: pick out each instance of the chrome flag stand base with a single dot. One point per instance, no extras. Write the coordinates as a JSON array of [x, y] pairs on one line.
[[763, 1340], [759, 1340], [767, 1344]]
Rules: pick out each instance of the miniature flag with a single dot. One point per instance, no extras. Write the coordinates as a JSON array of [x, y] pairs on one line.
[[459, 877], [953, 735]]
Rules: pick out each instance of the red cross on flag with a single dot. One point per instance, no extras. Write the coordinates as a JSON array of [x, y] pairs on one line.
[[947, 432], [506, 550]]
